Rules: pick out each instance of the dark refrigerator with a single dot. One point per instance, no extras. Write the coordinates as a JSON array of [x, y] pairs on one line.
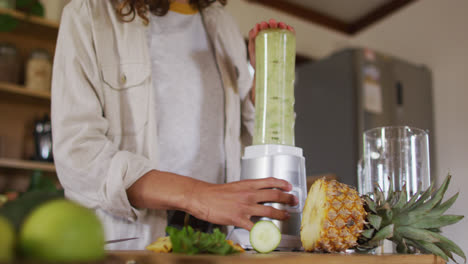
[[349, 92]]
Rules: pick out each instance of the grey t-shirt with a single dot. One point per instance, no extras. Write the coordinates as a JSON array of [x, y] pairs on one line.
[[189, 97]]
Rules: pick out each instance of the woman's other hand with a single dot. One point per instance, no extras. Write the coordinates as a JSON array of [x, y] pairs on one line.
[[272, 23], [224, 204], [235, 203]]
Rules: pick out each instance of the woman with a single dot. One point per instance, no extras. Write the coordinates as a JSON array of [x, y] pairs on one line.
[[148, 97]]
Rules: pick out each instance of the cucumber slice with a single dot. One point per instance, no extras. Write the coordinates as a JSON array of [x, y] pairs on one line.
[[265, 236]]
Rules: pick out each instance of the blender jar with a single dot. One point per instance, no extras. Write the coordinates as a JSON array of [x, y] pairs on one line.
[[273, 153], [275, 51]]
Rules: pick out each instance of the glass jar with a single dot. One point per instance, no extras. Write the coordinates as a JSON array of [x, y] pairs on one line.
[[275, 55], [53, 9], [8, 4], [39, 71], [395, 156], [9, 63]]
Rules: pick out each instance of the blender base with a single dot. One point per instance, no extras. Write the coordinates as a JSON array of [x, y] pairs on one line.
[[281, 162], [288, 242]]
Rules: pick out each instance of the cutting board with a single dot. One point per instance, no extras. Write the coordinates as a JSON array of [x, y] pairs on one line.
[[147, 257]]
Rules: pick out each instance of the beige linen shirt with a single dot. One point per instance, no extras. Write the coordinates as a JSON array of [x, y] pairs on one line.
[[103, 111]]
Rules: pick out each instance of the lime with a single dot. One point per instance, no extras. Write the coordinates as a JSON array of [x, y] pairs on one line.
[[7, 240], [62, 231], [265, 236]]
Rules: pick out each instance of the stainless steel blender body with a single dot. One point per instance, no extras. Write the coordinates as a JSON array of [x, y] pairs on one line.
[[280, 165], [273, 153]]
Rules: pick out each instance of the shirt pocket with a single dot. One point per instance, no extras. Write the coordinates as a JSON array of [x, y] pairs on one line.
[[126, 95]]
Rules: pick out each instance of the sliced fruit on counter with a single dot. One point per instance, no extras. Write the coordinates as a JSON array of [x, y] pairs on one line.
[[236, 246], [265, 236], [161, 245], [62, 231], [335, 218], [192, 242]]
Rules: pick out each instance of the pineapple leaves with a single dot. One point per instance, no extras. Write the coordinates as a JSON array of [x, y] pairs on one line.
[[391, 191], [448, 253], [378, 195], [444, 220], [388, 213], [408, 219], [402, 247], [368, 233], [412, 223], [436, 198], [424, 196], [412, 200], [428, 248], [449, 246], [417, 234], [402, 200], [375, 221], [435, 230], [440, 209], [384, 233], [370, 203]]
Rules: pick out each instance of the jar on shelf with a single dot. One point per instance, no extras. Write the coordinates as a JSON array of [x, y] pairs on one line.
[[9, 63], [43, 139], [2, 146], [8, 4], [53, 9], [39, 71]]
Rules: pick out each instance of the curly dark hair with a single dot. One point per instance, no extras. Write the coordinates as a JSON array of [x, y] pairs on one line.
[[156, 7]]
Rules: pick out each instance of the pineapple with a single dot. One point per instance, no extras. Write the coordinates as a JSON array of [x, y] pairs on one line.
[[335, 219], [161, 245], [164, 245]]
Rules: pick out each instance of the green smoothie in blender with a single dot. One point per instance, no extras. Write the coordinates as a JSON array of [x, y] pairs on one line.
[[275, 51]]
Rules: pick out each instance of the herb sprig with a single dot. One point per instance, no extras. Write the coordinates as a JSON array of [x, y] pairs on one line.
[[191, 242]]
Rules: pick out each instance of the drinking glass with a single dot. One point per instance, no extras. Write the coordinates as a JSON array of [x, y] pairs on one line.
[[398, 154]]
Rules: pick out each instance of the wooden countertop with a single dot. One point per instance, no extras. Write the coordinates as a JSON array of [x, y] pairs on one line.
[[147, 257]]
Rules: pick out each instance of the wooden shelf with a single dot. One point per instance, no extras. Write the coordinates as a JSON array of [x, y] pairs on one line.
[[32, 32], [21, 107], [26, 165], [30, 19], [22, 91]]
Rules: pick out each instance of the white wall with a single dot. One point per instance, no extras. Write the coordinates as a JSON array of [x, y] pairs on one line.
[[430, 32], [435, 33]]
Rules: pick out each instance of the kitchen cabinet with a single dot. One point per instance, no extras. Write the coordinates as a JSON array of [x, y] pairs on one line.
[[20, 107]]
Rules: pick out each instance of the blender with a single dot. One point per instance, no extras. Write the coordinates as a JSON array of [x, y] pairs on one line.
[[273, 153]]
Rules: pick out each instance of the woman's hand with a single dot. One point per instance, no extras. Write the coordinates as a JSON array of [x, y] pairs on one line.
[[235, 203], [272, 23], [224, 204]]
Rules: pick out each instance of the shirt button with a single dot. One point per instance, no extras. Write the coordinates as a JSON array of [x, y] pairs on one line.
[[123, 79]]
